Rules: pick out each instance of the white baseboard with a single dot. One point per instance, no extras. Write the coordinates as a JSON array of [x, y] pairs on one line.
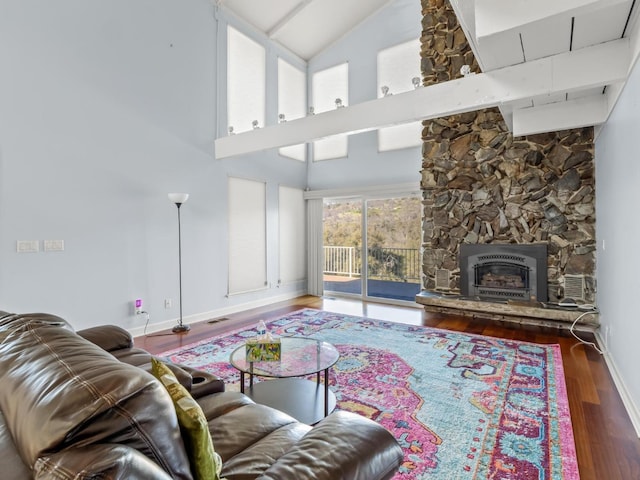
[[627, 400], [221, 312]]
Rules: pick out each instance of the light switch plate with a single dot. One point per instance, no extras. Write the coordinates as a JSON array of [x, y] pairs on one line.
[[27, 246], [54, 245]]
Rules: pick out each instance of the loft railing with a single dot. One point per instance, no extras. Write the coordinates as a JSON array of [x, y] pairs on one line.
[[385, 263]]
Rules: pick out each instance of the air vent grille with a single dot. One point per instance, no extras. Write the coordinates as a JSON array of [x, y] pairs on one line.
[[443, 277], [574, 287]]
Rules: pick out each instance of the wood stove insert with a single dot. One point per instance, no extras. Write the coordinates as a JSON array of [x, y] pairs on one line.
[[504, 271]]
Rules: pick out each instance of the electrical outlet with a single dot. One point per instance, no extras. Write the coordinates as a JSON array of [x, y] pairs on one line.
[[168, 303]]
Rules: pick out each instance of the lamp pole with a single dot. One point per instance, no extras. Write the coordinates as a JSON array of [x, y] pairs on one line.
[[179, 199]]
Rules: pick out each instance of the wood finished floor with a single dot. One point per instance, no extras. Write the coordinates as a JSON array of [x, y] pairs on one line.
[[606, 443]]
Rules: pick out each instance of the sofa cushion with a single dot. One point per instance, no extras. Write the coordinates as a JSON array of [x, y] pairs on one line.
[[11, 464], [345, 439], [205, 462], [266, 434], [97, 462], [108, 337], [60, 391]]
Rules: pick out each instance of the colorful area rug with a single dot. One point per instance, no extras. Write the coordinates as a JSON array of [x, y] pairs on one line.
[[462, 406]]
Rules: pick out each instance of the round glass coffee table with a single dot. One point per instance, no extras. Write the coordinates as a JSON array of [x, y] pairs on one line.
[[305, 400]]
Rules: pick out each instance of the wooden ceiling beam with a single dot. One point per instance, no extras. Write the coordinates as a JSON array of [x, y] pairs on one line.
[[288, 18], [495, 17], [578, 113], [589, 67]]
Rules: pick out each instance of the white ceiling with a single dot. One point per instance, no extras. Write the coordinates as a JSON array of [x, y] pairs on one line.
[[305, 27], [504, 33], [547, 64]]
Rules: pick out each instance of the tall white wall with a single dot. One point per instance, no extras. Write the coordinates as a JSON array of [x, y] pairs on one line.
[[106, 106], [618, 262]]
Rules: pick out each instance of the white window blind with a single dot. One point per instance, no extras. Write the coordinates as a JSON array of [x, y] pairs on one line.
[[291, 212], [297, 152], [397, 66], [327, 86], [247, 236], [245, 81], [292, 102], [400, 136]]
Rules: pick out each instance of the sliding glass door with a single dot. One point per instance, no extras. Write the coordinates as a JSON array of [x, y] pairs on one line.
[[342, 233], [393, 248], [388, 230]]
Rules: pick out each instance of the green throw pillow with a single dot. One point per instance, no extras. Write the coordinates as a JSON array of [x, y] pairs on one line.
[[205, 462]]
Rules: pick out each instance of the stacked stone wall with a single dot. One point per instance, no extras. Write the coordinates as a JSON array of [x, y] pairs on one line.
[[482, 185]]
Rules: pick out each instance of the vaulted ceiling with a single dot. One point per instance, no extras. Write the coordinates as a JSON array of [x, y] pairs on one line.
[[547, 64], [305, 27]]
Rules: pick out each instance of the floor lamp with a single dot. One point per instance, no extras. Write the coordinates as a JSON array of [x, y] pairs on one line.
[[179, 199]]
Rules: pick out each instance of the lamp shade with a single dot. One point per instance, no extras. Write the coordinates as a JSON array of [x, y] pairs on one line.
[[178, 198]]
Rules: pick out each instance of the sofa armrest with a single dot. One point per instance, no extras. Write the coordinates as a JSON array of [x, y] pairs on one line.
[[108, 337], [115, 462], [203, 383], [119, 342], [343, 446]]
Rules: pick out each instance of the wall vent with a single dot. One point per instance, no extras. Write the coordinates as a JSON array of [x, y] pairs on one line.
[[574, 287], [443, 278]]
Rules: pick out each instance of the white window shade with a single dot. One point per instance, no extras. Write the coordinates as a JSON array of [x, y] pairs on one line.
[[297, 152], [246, 85], [330, 148], [397, 66], [292, 102], [292, 226], [247, 236], [292, 91], [328, 86], [400, 136]]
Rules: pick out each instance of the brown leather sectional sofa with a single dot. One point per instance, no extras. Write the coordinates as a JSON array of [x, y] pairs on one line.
[[81, 406]]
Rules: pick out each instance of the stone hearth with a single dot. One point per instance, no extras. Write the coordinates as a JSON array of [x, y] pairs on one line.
[[529, 313]]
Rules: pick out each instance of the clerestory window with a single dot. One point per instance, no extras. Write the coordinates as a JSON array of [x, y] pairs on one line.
[[246, 82], [398, 69], [330, 89], [292, 102]]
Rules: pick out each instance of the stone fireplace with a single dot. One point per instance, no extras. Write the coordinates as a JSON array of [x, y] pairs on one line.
[[483, 186]]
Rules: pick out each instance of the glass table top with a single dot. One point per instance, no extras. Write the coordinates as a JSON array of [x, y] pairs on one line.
[[299, 356]]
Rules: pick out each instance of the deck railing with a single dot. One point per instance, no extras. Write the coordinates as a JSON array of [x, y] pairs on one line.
[[401, 264], [342, 261]]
